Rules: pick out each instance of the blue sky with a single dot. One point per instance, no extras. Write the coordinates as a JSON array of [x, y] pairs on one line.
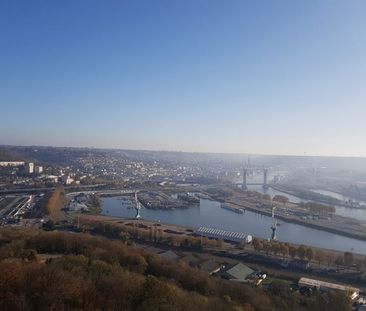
[[271, 77]]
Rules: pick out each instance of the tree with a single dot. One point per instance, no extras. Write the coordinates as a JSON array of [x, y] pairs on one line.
[[266, 247], [49, 225], [280, 198], [32, 255], [309, 253], [257, 244], [329, 258], [284, 249], [318, 208], [348, 259], [339, 261], [279, 288], [56, 203], [219, 243], [155, 234], [160, 235], [151, 234], [301, 251], [275, 248], [242, 245], [157, 293], [319, 256], [292, 251]]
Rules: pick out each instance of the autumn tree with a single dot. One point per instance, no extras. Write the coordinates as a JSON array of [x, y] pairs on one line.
[[339, 261], [284, 249], [348, 259], [329, 258], [257, 245], [292, 251], [280, 198], [56, 203], [301, 251], [319, 256], [309, 253], [266, 247]]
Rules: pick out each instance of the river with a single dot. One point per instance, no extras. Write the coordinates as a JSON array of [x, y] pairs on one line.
[[210, 214]]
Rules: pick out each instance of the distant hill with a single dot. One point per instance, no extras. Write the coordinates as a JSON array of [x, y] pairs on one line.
[[65, 155], [7, 154]]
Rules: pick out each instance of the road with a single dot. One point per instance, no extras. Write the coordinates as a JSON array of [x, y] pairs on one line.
[[31, 190]]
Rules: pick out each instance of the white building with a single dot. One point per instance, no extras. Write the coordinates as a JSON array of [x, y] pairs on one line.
[[66, 179], [231, 236], [52, 178], [11, 163], [29, 168]]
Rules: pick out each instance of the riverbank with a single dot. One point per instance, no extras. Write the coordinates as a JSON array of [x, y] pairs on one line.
[[179, 230], [344, 226], [210, 214], [313, 196], [289, 212]]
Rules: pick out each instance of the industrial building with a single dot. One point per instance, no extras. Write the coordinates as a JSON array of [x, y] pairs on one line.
[[241, 273], [230, 236], [326, 286], [238, 272]]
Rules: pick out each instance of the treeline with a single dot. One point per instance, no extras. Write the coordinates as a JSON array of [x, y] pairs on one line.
[[284, 249], [94, 273], [56, 202], [303, 252], [318, 208], [7, 155], [152, 233]]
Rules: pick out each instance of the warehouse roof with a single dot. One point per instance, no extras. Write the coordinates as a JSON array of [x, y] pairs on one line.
[[221, 234], [236, 272]]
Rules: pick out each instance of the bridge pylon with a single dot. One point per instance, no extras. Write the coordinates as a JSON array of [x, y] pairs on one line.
[[244, 185], [265, 178], [138, 206]]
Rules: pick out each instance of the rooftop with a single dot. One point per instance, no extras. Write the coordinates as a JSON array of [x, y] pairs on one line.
[[221, 234], [237, 272]]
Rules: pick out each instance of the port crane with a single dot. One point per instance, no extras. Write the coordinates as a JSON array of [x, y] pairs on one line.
[[274, 224], [138, 206]]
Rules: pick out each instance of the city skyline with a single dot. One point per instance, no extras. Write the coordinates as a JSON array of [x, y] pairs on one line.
[[251, 78]]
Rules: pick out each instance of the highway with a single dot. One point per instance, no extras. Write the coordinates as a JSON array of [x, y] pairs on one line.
[[36, 190], [13, 206]]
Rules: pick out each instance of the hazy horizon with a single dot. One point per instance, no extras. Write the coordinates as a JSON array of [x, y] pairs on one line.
[[269, 78], [184, 151]]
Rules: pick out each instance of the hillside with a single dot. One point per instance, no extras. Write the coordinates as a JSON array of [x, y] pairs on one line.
[[74, 271]]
